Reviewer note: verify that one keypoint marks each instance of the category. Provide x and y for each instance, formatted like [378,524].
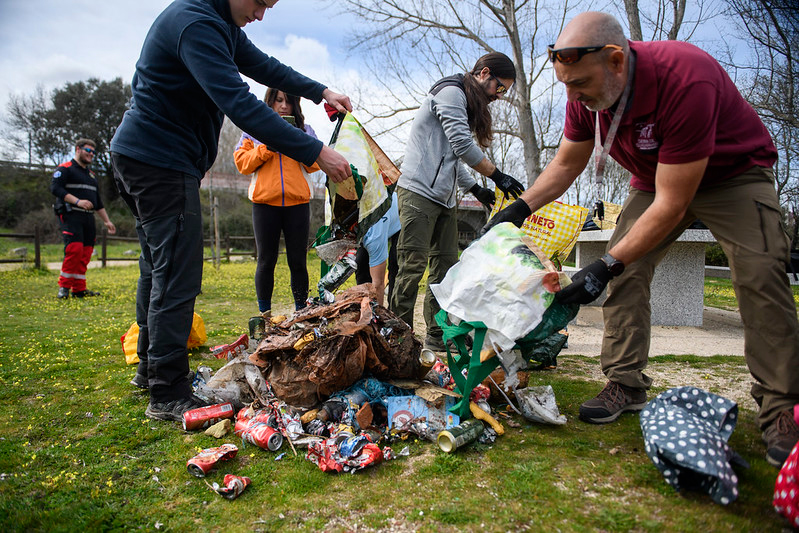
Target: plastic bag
[501,282]
[554,228]
[130,339]
[538,405]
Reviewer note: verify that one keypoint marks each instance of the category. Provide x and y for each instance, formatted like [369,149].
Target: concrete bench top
[689,235]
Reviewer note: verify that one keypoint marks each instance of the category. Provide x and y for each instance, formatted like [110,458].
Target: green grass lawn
[77,453]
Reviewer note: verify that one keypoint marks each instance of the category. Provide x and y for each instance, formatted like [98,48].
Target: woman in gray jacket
[452,127]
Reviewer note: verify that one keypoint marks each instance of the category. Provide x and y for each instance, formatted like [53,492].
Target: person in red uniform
[77,199]
[696,150]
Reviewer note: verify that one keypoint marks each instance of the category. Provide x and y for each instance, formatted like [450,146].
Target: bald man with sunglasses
[696,150]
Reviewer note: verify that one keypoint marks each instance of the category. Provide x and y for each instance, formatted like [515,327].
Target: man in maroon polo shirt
[696,150]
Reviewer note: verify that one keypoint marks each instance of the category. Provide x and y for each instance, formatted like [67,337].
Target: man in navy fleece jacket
[187,79]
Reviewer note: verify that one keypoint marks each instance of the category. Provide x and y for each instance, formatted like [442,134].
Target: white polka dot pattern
[686,430]
[786,489]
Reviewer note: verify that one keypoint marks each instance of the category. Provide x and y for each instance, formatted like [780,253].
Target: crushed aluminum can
[201,376]
[464,433]
[352,446]
[203,462]
[230,351]
[262,435]
[204,417]
[233,486]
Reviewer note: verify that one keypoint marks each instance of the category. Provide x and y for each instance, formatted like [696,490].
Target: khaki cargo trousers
[744,215]
[429,238]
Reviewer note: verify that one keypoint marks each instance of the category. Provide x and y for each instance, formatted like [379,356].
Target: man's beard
[607,98]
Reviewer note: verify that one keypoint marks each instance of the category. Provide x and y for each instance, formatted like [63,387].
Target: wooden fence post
[37,247]
[104,247]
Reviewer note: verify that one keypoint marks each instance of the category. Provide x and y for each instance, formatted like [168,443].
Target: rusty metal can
[263,436]
[233,486]
[204,417]
[460,435]
[203,462]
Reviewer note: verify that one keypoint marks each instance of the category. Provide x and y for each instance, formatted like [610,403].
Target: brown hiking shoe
[780,438]
[614,400]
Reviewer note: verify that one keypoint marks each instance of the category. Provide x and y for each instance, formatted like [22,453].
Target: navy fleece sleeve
[207,55]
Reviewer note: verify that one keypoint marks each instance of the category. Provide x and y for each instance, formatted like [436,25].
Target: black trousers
[166,204]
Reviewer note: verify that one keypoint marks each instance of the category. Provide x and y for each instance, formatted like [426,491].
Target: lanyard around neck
[601,150]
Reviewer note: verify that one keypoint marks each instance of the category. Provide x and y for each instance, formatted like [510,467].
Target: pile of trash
[343,381]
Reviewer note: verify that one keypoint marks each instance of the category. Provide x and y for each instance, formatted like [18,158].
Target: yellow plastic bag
[130,339]
[612,212]
[554,228]
[197,336]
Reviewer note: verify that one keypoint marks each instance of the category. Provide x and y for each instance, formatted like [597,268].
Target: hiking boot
[780,438]
[139,381]
[173,409]
[84,294]
[434,343]
[614,400]
[63,292]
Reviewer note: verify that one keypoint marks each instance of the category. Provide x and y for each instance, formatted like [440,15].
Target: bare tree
[411,44]
[228,140]
[24,121]
[770,81]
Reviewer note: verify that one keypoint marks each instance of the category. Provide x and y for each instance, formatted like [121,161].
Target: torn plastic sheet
[238,382]
[538,405]
[686,430]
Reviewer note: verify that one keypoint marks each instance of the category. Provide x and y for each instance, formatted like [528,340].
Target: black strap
[455,80]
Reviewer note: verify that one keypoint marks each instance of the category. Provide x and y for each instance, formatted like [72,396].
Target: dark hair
[80,143]
[296,110]
[477,101]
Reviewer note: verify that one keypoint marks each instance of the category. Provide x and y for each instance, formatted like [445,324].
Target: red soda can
[229,351]
[204,417]
[233,486]
[263,436]
[203,462]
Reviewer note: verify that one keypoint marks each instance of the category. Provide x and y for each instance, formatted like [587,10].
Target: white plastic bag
[538,405]
[502,282]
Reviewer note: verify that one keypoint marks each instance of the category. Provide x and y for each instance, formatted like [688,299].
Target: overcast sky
[51,42]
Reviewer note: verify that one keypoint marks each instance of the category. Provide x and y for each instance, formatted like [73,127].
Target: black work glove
[515,212]
[486,196]
[506,184]
[586,285]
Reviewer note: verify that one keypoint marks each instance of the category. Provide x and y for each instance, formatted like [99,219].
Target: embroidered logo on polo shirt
[646,141]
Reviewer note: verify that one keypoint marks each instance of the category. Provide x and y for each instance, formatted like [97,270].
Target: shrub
[714,256]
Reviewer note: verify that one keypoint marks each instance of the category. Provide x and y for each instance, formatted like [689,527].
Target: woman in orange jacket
[281,198]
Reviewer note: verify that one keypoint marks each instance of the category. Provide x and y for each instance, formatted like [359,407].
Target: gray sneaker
[174,409]
[780,438]
[614,400]
[63,292]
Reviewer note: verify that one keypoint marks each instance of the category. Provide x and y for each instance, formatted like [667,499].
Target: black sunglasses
[567,56]
[500,86]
